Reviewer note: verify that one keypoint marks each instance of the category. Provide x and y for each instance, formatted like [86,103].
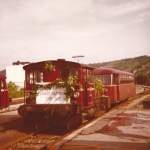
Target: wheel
[91,113]
[74,122]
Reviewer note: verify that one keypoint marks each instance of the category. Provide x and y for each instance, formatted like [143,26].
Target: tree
[14,91]
[142,78]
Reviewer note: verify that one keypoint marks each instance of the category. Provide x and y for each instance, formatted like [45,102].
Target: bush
[99,88]
[142,78]
[14,91]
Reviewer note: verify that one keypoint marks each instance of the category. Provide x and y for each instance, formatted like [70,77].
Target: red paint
[119,85]
[85,88]
[4,101]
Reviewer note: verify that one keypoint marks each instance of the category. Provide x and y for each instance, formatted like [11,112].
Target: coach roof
[107,70]
[56,62]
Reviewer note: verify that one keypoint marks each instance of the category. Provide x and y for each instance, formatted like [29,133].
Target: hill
[140,66]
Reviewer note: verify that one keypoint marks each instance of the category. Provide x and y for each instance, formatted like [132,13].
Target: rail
[41,139]
[34,142]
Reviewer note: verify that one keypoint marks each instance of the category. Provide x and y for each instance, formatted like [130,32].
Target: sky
[101,30]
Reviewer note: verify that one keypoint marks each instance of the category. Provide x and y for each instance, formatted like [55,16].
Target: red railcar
[4,101]
[60,91]
[119,85]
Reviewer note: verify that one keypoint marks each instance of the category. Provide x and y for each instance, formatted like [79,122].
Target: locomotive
[62,92]
[4,100]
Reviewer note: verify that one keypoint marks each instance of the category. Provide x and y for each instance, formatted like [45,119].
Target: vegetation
[140,66]
[14,91]
[99,87]
[70,84]
[49,66]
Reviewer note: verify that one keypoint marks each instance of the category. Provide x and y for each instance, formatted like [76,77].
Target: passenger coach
[4,101]
[119,85]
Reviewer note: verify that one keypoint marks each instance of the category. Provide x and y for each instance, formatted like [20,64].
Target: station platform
[126,129]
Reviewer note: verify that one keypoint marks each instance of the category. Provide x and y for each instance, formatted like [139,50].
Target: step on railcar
[58,91]
[119,85]
[4,101]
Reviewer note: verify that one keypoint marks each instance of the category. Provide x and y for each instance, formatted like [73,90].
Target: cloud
[130,7]
[45,28]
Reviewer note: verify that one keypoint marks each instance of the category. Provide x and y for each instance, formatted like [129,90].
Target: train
[61,92]
[4,100]
[119,85]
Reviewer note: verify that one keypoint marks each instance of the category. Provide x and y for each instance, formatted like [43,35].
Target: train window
[1,84]
[66,72]
[131,78]
[84,74]
[89,75]
[126,78]
[28,78]
[38,76]
[41,77]
[115,79]
[31,78]
[106,79]
[34,77]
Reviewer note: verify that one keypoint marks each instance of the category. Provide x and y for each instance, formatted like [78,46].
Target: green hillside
[140,66]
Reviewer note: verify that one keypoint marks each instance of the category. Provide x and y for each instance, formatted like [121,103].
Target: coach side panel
[4,101]
[112,92]
[126,90]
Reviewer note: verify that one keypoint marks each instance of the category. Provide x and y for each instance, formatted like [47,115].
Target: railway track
[12,106]
[40,140]
[34,142]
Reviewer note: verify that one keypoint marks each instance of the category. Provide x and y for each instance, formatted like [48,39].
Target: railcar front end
[58,91]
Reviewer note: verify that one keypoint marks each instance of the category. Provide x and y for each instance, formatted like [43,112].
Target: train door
[88,95]
[88,99]
[85,102]
[4,102]
[116,87]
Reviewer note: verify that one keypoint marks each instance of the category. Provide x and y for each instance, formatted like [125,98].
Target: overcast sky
[102,30]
